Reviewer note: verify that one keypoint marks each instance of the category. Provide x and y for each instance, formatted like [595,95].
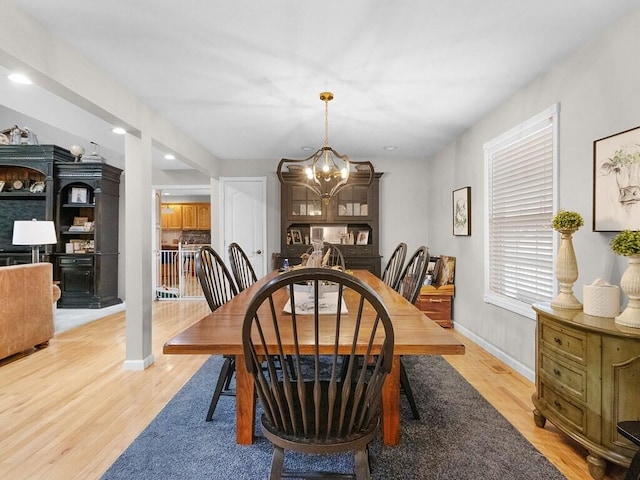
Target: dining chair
[241,268]
[315,411]
[335,257]
[630,429]
[394,266]
[218,288]
[409,284]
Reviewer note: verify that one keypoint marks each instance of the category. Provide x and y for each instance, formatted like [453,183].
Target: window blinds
[520,181]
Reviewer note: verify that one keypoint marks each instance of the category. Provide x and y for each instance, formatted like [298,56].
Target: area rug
[460,436]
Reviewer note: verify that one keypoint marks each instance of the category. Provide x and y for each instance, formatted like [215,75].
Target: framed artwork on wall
[616,182]
[462,211]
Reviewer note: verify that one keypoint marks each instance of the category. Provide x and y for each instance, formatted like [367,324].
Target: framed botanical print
[616,182]
[462,211]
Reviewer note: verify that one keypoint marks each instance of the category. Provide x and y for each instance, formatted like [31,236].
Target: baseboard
[499,354]
[139,364]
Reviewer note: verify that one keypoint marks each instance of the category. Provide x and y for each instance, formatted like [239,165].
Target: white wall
[597,88]
[403,200]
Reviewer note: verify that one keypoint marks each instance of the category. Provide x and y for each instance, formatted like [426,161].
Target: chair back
[241,268]
[394,266]
[335,257]
[216,281]
[412,276]
[315,404]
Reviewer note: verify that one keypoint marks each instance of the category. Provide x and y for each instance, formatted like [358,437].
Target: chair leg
[362,464]
[230,372]
[406,386]
[277,462]
[222,379]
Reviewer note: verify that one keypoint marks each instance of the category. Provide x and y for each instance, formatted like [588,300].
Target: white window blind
[520,181]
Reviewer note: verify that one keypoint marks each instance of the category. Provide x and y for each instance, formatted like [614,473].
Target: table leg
[245,403]
[391,405]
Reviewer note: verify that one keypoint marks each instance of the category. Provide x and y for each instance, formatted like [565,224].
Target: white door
[244,218]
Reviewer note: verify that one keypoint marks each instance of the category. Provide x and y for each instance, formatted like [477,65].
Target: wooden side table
[436,303]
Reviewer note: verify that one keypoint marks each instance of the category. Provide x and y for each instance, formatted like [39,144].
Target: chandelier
[326,172]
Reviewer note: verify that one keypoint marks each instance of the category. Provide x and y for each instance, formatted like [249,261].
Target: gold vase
[630,285]
[566,273]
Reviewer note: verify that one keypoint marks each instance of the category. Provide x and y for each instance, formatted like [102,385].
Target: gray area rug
[460,436]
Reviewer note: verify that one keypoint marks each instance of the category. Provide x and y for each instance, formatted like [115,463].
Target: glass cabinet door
[352,203]
[305,204]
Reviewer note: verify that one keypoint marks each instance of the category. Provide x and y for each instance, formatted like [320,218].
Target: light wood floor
[68,411]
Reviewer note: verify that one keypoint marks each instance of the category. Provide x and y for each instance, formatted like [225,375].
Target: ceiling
[243,77]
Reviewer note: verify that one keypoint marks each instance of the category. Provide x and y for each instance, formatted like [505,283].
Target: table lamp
[34,233]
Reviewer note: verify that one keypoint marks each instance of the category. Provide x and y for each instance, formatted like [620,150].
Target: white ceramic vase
[630,285]
[566,273]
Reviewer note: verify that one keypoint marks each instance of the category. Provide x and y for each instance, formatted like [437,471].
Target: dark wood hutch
[354,209]
[38,182]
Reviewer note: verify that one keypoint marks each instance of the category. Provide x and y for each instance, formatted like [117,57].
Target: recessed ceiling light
[306,149]
[389,147]
[119,130]
[169,156]
[166,193]
[20,78]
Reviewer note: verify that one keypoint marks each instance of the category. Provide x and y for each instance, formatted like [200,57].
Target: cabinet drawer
[70,261]
[565,341]
[436,307]
[570,379]
[568,412]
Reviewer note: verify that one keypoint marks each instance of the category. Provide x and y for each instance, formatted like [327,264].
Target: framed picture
[462,211]
[616,182]
[432,269]
[363,237]
[1,185]
[296,237]
[446,271]
[78,195]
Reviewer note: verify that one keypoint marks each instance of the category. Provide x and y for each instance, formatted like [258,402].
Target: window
[521,182]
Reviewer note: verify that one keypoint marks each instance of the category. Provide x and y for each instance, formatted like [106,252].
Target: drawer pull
[557,340]
[435,300]
[557,404]
[556,372]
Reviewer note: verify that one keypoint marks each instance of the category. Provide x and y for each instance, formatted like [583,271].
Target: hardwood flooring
[68,411]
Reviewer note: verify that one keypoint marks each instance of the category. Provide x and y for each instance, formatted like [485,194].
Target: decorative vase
[630,284]
[566,273]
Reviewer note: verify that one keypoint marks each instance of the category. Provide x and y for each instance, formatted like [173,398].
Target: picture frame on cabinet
[296,237]
[363,237]
[78,195]
[1,185]
[462,211]
[616,186]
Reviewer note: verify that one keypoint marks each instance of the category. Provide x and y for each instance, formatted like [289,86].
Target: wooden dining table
[220,333]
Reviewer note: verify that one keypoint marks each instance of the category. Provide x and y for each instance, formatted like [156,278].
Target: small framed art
[462,211]
[363,237]
[296,237]
[78,195]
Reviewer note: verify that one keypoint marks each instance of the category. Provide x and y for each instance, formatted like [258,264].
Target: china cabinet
[587,380]
[350,220]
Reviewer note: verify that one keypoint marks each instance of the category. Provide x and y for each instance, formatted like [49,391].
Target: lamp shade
[34,232]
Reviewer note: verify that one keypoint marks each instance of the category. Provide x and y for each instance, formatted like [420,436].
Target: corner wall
[597,88]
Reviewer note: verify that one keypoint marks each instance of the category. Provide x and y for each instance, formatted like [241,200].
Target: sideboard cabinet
[353,210]
[587,380]
[86,257]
